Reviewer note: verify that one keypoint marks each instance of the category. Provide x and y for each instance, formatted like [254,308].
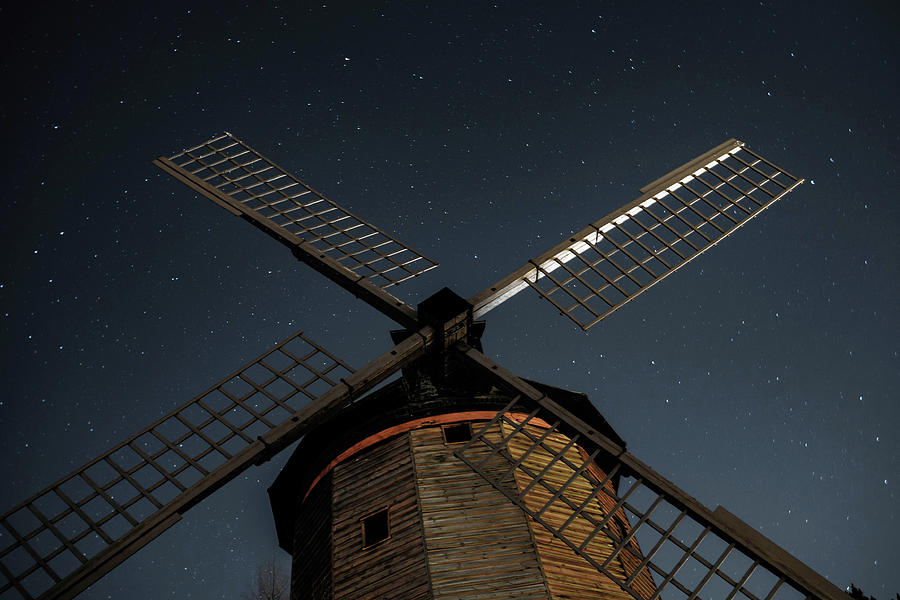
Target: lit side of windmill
[458,479]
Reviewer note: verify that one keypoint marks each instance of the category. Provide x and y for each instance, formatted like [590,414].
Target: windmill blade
[675,219]
[355,254]
[634,526]
[64,538]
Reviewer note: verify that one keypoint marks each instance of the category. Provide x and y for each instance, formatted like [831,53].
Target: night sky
[762,377]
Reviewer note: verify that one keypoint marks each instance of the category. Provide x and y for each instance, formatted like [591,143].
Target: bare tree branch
[272,583]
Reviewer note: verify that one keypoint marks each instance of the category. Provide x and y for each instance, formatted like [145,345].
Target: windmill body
[457,479]
[375,502]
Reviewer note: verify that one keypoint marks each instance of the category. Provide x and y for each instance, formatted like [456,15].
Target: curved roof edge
[388,407]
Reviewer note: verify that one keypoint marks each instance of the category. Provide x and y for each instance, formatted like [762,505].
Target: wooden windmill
[456,479]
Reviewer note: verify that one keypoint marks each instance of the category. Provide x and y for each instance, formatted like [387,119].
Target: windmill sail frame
[674,220]
[671,562]
[346,249]
[82,528]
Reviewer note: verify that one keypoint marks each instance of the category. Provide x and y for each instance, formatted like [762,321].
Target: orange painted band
[474,415]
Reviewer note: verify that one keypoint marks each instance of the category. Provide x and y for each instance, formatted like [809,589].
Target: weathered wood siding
[311,568]
[568,574]
[381,476]
[478,542]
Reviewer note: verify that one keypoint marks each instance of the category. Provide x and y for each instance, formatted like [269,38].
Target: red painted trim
[457,417]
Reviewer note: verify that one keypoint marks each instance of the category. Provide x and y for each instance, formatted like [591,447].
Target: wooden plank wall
[311,568]
[478,542]
[568,574]
[381,476]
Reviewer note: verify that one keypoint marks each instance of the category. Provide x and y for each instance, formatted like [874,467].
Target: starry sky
[762,377]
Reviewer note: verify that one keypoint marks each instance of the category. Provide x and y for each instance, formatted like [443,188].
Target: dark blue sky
[762,377]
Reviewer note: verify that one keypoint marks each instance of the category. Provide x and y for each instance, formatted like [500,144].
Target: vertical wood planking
[478,542]
[381,476]
[311,568]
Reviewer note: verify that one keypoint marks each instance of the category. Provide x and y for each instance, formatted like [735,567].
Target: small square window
[375,528]
[457,433]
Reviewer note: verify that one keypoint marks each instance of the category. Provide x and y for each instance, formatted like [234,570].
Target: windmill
[457,478]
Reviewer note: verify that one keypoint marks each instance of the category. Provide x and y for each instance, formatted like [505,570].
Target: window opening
[457,433]
[375,528]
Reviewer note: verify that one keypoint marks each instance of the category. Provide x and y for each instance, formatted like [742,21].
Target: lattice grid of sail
[57,531]
[233,168]
[635,534]
[620,256]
